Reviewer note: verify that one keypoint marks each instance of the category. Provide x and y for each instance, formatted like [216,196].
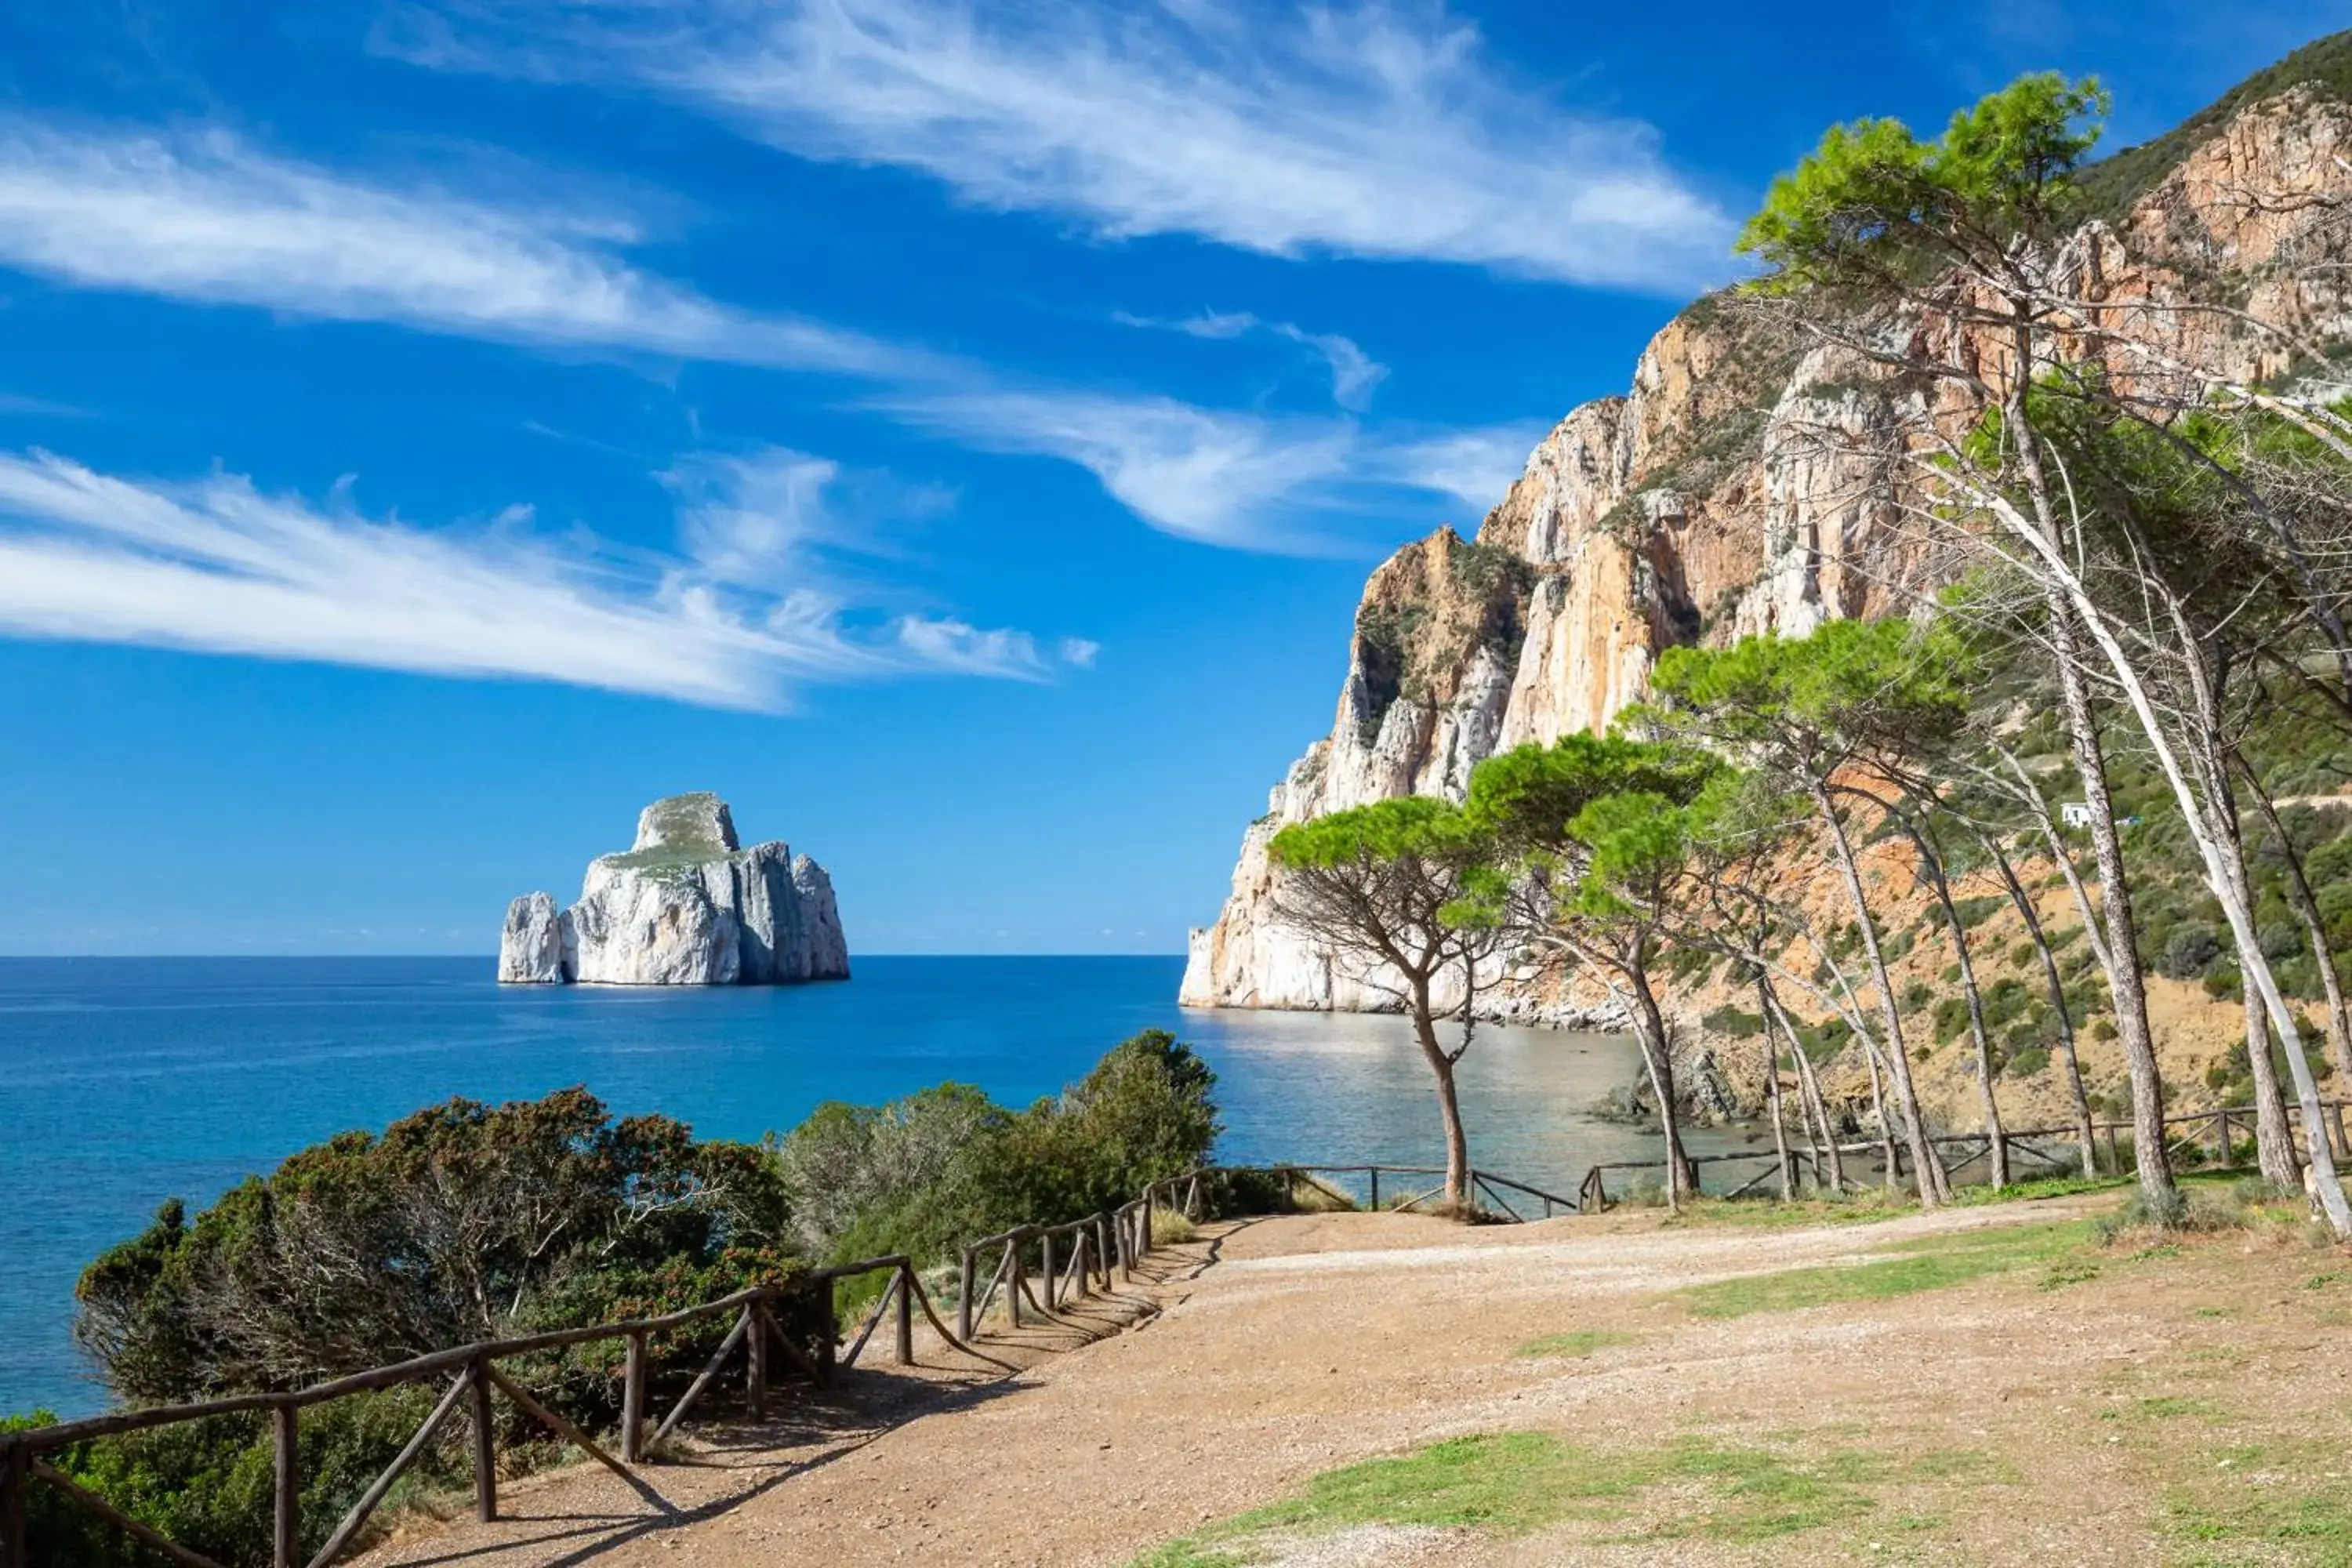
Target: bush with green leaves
[923,1174]
[466,1222]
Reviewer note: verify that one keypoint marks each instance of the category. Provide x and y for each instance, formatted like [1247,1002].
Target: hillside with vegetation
[1963,606]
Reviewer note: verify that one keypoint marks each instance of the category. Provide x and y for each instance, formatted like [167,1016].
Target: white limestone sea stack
[687,905]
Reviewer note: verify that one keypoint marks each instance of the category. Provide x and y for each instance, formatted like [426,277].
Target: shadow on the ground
[809,1428]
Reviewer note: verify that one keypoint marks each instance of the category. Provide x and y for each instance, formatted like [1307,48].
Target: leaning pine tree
[1406,895]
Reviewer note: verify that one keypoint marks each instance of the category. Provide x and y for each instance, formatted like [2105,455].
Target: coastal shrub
[2188,949]
[1733,1020]
[923,1174]
[461,1222]
[467,1221]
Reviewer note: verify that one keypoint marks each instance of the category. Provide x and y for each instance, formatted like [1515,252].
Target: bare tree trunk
[1810,1086]
[2273,1139]
[1932,863]
[2314,931]
[1886,1145]
[1933,1189]
[2125,985]
[1449,1106]
[2082,724]
[1772,1100]
[2274,1136]
[1682,1179]
[2196,811]
[2084,1135]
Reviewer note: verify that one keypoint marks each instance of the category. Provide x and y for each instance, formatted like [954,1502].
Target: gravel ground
[1267,1352]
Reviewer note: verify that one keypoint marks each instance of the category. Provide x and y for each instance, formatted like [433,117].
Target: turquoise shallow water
[125,1082]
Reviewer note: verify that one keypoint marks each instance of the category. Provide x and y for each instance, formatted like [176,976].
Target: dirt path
[1314,1342]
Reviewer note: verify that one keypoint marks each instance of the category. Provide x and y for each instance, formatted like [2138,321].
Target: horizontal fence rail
[1184,1194]
[756,1333]
[1038,1269]
[2218,1138]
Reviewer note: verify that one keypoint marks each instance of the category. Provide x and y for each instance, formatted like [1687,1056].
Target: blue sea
[126,1082]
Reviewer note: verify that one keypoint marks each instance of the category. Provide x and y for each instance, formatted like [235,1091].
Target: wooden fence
[1184,1192]
[757,1331]
[2207,1135]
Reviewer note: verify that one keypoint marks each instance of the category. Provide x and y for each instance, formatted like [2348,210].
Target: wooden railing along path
[1072,1260]
[757,1331]
[2221,1130]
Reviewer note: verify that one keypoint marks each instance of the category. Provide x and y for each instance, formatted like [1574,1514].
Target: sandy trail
[1272,1350]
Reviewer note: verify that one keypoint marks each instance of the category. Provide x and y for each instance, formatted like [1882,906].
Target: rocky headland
[1702,505]
[685,905]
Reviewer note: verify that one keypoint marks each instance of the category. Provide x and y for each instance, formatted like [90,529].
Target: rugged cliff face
[1706,503]
[687,905]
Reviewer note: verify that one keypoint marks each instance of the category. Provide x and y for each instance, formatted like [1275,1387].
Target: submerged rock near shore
[685,905]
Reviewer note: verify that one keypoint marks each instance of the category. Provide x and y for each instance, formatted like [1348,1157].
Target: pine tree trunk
[1996,1142]
[1449,1105]
[2274,1137]
[1933,1189]
[2124,978]
[2083,1134]
[1810,1086]
[1886,1145]
[1682,1179]
[2314,931]
[1772,1100]
[2125,988]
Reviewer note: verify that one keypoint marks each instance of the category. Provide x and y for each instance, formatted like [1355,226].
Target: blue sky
[956,435]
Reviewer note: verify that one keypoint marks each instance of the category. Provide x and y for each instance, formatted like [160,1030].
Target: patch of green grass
[1577,1343]
[2168,1406]
[1932,1263]
[2284,1503]
[2027,1191]
[1871,1204]
[1514,1482]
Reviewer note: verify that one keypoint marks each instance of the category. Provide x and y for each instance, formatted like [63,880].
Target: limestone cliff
[685,905]
[1706,504]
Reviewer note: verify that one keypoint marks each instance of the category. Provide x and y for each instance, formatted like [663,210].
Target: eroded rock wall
[685,905]
[1753,481]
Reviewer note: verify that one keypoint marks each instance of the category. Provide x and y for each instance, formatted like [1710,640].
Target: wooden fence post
[633,1401]
[1143,1224]
[2221,1140]
[285,1534]
[1013,1280]
[968,1278]
[1105,1256]
[2336,1116]
[1045,1268]
[2115,1158]
[906,1314]
[485,1441]
[15,1465]
[755,1373]
[1376,1189]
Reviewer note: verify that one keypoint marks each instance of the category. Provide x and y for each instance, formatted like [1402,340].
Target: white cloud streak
[1375,130]
[218,565]
[208,219]
[1247,481]
[1354,373]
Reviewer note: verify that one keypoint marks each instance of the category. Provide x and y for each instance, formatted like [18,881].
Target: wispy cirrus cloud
[1241,480]
[1354,373]
[1374,130]
[208,218]
[219,565]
